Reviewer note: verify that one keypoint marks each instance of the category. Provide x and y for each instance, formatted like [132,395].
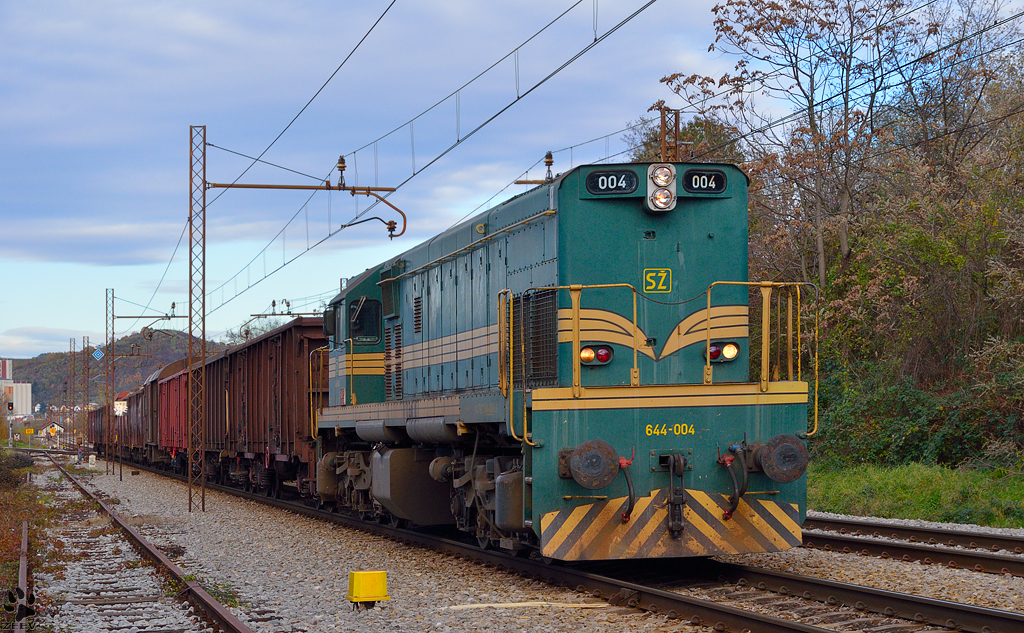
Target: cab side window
[364,321]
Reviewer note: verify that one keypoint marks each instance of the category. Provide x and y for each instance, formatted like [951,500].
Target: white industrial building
[20,393]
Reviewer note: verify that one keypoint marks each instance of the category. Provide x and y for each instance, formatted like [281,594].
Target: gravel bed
[965,527]
[292,571]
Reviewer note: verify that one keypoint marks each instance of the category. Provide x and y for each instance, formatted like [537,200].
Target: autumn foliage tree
[885,143]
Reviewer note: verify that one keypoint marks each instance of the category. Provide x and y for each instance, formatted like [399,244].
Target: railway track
[109,588]
[927,545]
[737,593]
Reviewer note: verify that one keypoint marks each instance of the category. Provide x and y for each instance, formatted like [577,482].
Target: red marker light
[604,354]
[714,352]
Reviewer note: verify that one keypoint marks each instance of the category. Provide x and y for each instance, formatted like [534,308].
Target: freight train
[583,371]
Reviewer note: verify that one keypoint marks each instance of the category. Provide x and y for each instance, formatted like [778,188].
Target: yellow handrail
[349,369]
[314,410]
[502,332]
[766,293]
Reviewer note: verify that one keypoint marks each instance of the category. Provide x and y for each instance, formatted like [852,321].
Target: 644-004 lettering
[670,429]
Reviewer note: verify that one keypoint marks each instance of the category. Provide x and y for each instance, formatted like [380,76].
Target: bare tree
[831,62]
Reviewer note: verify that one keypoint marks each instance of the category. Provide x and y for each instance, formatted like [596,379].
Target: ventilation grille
[393,363]
[397,363]
[387,293]
[389,349]
[417,315]
[536,341]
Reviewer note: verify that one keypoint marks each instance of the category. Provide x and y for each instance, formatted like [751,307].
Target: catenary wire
[258,158]
[446,151]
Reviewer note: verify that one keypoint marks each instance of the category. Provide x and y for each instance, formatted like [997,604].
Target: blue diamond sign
[98,354]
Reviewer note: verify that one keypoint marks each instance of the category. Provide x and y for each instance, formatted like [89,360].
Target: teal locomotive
[571,372]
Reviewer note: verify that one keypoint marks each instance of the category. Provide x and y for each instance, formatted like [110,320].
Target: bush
[873,413]
[9,462]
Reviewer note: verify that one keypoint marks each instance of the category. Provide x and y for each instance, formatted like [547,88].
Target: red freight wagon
[173,423]
[149,410]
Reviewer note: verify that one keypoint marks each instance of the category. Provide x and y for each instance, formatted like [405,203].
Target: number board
[612,182]
[704,181]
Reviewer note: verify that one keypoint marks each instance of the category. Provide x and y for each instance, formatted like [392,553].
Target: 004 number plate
[612,182]
[704,181]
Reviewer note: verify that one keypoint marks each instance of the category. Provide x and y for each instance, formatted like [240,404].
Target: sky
[97,99]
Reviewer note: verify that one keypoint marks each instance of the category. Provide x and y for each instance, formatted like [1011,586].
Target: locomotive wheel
[483,542]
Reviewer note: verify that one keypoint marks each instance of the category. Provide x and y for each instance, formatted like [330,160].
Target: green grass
[918,491]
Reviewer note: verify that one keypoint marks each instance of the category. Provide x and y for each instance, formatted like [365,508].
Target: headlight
[662,176]
[719,352]
[662,198]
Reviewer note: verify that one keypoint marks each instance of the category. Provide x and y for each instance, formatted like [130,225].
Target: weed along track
[100,574]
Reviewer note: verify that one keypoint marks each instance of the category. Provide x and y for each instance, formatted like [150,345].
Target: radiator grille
[536,342]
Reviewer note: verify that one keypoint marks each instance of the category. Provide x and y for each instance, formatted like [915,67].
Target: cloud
[27,342]
[96,101]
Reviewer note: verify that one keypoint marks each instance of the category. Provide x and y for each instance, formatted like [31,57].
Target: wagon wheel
[396,522]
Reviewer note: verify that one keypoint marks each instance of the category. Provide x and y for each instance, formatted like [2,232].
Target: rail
[928,554]
[610,581]
[209,608]
[935,536]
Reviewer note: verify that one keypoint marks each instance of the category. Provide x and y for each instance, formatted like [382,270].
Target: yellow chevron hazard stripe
[595,531]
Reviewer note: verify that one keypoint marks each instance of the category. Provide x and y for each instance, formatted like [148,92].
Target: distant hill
[47,372]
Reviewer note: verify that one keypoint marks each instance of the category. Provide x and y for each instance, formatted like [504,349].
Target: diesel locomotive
[583,370]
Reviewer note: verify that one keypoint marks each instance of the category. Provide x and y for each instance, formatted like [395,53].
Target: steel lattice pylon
[85,390]
[72,388]
[669,135]
[108,433]
[197,318]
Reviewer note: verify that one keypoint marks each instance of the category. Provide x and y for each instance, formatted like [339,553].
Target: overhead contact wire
[553,73]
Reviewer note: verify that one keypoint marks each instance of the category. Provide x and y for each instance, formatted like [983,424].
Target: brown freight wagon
[259,429]
[130,425]
[95,420]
